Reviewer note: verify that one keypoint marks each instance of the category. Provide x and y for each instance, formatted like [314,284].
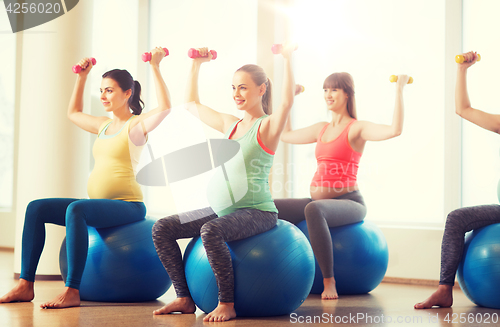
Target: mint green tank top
[243,181]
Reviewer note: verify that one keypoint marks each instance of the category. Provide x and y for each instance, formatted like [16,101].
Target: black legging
[320,216]
[458,223]
[214,233]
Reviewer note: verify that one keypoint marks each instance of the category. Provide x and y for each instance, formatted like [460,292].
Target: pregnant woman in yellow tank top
[115,196]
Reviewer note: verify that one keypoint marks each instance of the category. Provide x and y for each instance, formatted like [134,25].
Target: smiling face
[336,99]
[246,94]
[339,93]
[112,96]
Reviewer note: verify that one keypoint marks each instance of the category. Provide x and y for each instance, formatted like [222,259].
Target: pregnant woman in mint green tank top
[252,210]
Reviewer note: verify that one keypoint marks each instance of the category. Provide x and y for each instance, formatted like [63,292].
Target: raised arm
[216,120]
[369,131]
[75,108]
[304,135]
[463,107]
[147,122]
[277,120]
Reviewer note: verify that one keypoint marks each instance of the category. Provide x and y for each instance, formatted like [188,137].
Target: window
[115,36]
[402,178]
[178,26]
[480,153]
[114,43]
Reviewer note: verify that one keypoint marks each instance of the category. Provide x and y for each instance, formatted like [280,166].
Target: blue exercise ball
[479,271]
[273,272]
[360,257]
[122,265]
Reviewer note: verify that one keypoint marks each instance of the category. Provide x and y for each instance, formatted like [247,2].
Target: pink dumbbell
[146,56]
[193,54]
[78,68]
[277,48]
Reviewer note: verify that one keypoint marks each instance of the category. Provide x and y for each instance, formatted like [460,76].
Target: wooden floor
[386,305]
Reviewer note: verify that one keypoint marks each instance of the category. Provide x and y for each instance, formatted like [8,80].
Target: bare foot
[180,304]
[22,292]
[330,290]
[69,298]
[443,297]
[223,312]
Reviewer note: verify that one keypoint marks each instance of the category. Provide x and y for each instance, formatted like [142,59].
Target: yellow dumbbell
[394,79]
[460,58]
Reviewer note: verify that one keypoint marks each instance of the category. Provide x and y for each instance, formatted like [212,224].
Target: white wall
[52,152]
[9,84]
[413,253]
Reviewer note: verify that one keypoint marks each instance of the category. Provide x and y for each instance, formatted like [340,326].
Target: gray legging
[214,233]
[320,215]
[458,223]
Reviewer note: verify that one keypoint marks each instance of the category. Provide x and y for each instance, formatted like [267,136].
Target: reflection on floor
[388,304]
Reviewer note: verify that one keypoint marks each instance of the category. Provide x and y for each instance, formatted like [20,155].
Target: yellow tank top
[116,158]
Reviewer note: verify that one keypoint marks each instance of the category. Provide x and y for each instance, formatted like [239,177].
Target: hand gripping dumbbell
[460,58]
[299,89]
[146,56]
[277,48]
[394,79]
[193,54]
[78,68]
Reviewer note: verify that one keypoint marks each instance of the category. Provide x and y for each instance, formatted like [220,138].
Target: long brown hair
[344,82]
[259,77]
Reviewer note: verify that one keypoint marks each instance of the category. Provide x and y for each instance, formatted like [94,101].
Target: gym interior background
[439,163]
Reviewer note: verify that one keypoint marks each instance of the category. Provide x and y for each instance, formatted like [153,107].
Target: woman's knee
[76,211]
[334,212]
[210,230]
[456,219]
[34,207]
[313,212]
[165,228]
